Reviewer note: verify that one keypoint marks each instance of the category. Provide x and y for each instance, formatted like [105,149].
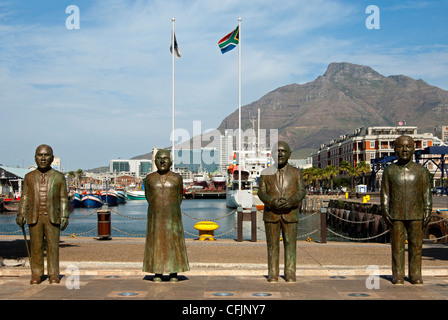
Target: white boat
[121,196]
[251,161]
[219,181]
[237,195]
[135,195]
[201,179]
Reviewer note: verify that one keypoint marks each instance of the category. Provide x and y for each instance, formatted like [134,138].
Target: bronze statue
[44,206]
[165,249]
[281,190]
[406,204]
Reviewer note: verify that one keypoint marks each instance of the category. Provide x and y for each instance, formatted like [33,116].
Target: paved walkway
[220,270]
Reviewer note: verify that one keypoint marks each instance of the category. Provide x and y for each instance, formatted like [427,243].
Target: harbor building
[374,143]
[226,150]
[137,168]
[11,180]
[366,144]
[56,164]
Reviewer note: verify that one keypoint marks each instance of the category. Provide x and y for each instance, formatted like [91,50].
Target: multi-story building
[137,168]
[226,151]
[373,143]
[366,144]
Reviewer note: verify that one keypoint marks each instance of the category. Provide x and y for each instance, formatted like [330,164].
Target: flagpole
[239,109]
[172,95]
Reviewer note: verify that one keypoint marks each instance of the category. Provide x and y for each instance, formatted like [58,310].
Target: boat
[121,196]
[109,197]
[251,159]
[237,196]
[77,200]
[135,195]
[200,179]
[253,163]
[219,181]
[9,205]
[91,201]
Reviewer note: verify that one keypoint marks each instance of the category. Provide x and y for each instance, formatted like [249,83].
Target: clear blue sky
[104,91]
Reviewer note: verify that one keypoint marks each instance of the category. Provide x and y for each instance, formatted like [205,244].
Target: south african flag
[229,41]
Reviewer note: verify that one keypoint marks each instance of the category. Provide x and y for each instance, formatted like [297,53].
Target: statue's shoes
[54,279]
[173,277]
[157,278]
[417,281]
[36,279]
[398,281]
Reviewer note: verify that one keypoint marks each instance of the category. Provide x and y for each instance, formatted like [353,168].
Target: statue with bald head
[406,204]
[165,249]
[281,190]
[44,206]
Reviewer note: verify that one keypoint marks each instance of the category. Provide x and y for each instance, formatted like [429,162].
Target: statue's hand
[289,203]
[64,223]
[20,221]
[387,219]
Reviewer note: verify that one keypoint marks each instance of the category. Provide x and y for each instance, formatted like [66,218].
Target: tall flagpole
[172,96]
[239,109]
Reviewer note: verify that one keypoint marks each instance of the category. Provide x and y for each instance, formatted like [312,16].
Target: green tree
[345,167]
[331,172]
[362,168]
[71,174]
[307,175]
[79,174]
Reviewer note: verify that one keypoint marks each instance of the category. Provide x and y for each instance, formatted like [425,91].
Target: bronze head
[44,157]
[404,148]
[163,161]
[281,153]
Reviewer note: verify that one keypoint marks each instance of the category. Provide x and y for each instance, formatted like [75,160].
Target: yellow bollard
[206,230]
[346,195]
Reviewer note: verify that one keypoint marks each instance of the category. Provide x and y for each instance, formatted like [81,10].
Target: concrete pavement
[220,270]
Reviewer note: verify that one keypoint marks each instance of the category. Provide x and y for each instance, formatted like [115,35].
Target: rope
[440,220]
[358,239]
[332,214]
[128,217]
[215,219]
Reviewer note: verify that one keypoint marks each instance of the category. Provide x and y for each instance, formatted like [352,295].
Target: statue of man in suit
[44,206]
[406,204]
[281,190]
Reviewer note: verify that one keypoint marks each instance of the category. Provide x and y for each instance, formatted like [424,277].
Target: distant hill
[346,97]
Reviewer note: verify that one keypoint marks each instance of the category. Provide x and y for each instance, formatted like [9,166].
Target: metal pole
[239,111]
[172,97]
[323,225]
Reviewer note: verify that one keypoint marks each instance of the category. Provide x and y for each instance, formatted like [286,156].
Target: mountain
[346,97]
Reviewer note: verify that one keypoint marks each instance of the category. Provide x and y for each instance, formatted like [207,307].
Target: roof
[19,172]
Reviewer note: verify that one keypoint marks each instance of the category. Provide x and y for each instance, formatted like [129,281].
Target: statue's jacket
[406,192]
[270,189]
[57,199]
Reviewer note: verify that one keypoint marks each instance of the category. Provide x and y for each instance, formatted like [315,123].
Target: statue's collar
[406,165]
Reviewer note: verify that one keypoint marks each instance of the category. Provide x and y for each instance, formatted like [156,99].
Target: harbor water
[129,220]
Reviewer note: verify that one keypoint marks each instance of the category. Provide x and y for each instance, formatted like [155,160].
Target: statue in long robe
[165,249]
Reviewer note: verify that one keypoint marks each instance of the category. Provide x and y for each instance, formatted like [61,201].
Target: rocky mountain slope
[346,97]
